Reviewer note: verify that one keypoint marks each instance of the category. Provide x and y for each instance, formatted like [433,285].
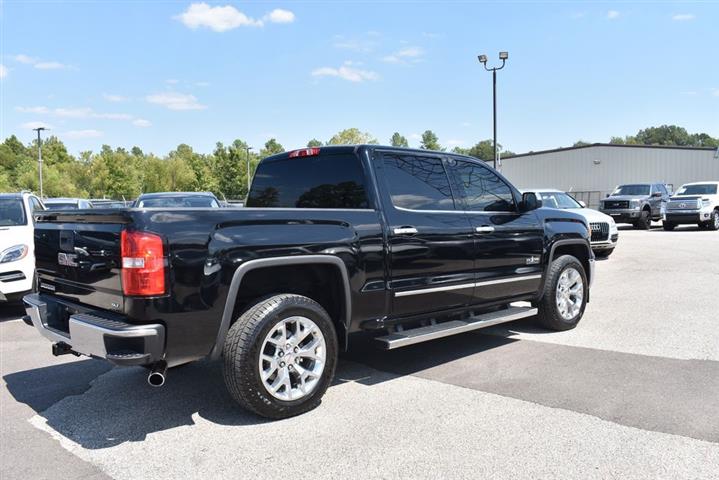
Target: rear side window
[321,181]
[483,189]
[417,183]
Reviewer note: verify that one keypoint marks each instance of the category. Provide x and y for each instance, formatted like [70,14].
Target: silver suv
[636,203]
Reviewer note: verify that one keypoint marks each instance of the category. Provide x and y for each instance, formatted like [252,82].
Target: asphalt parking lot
[633,392]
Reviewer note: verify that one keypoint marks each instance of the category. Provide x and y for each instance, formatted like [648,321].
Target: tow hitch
[62,348]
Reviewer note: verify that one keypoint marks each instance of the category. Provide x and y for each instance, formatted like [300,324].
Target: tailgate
[78,257]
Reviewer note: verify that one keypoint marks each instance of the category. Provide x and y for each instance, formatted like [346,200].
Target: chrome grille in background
[611,204]
[600,231]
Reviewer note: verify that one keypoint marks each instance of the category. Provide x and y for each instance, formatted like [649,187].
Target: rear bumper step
[453,327]
[96,336]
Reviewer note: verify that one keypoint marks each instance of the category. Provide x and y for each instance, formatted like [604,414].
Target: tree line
[120,173]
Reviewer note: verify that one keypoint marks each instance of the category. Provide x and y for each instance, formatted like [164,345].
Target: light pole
[503,56]
[248,148]
[39,155]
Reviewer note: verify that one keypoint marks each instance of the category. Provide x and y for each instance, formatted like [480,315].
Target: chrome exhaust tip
[156,377]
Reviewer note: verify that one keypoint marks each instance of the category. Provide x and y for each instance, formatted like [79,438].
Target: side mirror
[657,194]
[530,202]
[584,205]
[606,196]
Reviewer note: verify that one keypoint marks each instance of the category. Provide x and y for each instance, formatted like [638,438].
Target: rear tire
[279,357]
[560,307]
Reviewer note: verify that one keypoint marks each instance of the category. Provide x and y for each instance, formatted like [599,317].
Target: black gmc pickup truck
[410,244]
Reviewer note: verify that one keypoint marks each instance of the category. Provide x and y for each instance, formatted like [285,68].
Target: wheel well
[647,208]
[576,250]
[323,283]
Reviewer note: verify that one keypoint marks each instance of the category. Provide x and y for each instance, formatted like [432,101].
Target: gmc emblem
[67,259]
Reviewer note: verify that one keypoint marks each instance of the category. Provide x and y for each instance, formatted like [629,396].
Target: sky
[159,73]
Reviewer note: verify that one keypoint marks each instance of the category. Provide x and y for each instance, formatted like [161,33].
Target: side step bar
[453,327]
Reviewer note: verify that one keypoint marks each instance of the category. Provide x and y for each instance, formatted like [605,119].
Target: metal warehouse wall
[600,168]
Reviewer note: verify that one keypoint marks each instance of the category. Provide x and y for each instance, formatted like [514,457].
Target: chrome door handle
[405,231]
[484,229]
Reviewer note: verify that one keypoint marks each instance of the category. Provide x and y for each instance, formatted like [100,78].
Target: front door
[431,245]
[508,243]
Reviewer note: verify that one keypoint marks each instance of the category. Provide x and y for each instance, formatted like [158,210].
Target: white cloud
[84,112]
[219,19]
[202,84]
[39,109]
[113,98]
[280,16]
[415,136]
[141,122]
[612,14]
[365,44]
[346,72]
[466,124]
[37,63]
[49,65]
[683,17]
[80,134]
[172,81]
[175,101]
[112,116]
[31,125]
[404,55]
[3,71]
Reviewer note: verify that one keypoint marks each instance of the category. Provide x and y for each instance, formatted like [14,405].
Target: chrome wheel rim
[292,358]
[570,293]
[716,220]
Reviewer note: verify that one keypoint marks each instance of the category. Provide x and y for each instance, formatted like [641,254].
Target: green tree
[581,143]
[704,140]
[272,147]
[483,150]
[398,140]
[430,141]
[230,169]
[314,143]
[351,136]
[664,135]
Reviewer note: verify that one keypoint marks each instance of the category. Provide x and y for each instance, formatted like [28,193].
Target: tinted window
[417,183]
[12,212]
[558,200]
[61,206]
[632,190]
[483,189]
[707,189]
[320,181]
[191,201]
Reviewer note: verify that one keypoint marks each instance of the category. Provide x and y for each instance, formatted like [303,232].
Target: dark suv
[636,203]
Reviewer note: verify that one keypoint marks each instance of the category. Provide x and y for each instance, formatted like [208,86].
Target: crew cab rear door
[430,241]
[508,244]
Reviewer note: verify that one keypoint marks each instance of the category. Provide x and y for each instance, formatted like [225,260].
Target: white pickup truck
[694,203]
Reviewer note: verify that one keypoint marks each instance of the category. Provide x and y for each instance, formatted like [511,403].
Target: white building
[592,171]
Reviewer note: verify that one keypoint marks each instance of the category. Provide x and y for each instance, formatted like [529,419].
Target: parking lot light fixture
[503,56]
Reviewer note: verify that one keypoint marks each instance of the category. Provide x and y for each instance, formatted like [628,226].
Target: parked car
[17,250]
[636,203]
[67,203]
[411,245]
[177,200]
[605,234]
[105,203]
[696,203]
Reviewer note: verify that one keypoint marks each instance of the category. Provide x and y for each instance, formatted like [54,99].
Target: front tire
[645,221]
[279,357]
[713,223]
[565,294]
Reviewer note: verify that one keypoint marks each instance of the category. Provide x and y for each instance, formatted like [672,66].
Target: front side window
[318,181]
[12,212]
[483,189]
[417,183]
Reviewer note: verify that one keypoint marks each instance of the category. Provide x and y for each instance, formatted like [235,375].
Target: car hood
[591,215]
[16,235]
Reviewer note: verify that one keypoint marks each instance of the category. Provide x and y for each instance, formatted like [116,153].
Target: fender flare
[250,265]
[571,241]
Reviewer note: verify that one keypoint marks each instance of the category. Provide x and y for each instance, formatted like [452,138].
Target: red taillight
[305,152]
[143,264]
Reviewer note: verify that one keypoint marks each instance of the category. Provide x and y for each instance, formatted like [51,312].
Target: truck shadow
[97,406]
[11,311]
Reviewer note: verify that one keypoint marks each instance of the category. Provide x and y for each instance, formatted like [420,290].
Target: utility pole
[248,148]
[39,155]
[503,56]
